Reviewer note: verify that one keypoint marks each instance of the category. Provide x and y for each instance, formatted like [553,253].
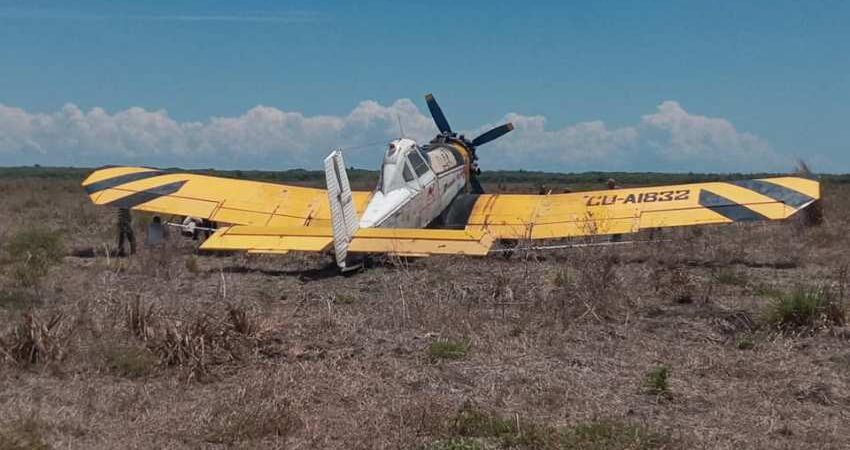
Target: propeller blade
[437,114]
[495,133]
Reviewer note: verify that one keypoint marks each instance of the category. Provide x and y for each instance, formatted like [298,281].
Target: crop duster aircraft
[429,201]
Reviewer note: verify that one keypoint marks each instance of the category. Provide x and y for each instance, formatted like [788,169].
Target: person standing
[125,232]
[612,184]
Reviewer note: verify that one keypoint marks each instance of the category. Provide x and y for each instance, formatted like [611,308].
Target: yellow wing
[273,218]
[621,211]
[218,199]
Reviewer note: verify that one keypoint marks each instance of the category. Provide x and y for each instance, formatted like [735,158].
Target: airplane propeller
[446,132]
[493,134]
[437,114]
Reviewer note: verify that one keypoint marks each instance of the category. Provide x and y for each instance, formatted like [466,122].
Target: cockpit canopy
[403,165]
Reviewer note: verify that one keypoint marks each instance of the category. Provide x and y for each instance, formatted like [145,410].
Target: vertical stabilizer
[343,216]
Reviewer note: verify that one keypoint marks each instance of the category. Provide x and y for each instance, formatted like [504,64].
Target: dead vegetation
[252,414]
[195,344]
[736,334]
[35,340]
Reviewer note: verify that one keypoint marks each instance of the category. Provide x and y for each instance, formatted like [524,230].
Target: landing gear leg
[353,264]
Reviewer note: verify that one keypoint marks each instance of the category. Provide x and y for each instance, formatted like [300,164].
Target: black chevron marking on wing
[147,195]
[777,192]
[728,208]
[121,179]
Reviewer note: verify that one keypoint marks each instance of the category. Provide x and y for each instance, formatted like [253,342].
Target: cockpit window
[418,163]
[407,174]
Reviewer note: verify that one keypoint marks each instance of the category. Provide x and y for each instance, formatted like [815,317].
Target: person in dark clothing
[612,184]
[125,232]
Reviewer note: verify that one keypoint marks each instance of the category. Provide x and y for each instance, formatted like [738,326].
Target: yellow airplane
[429,201]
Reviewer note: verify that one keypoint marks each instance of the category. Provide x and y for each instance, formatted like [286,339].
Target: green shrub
[766,290]
[728,275]
[472,422]
[656,381]
[34,251]
[192,264]
[806,306]
[603,435]
[563,278]
[17,300]
[129,361]
[23,434]
[474,429]
[744,343]
[447,349]
[344,299]
[457,443]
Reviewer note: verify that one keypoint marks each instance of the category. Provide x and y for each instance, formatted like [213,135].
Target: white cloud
[586,145]
[686,137]
[266,137]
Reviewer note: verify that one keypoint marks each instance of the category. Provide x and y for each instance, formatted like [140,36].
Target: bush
[656,382]
[34,251]
[17,300]
[447,349]
[130,361]
[606,435]
[241,321]
[563,278]
[23,434]
[457,443]
[745,343]
[192,264]
[728,275]
[515,433]
[472,422]
[344,299]
[806,307]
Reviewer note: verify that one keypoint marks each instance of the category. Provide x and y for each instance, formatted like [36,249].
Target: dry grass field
[721,337]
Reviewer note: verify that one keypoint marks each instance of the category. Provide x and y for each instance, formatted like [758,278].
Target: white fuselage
[415,186]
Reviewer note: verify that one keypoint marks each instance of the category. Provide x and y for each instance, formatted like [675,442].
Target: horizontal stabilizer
[419,242]
[255,239]
[396,241]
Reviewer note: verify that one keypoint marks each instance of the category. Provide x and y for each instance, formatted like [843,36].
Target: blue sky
[619,85]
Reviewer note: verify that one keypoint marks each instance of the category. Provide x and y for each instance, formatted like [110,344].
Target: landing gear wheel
[506,247]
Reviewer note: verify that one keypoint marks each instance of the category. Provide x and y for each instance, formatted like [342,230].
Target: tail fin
[343,216]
